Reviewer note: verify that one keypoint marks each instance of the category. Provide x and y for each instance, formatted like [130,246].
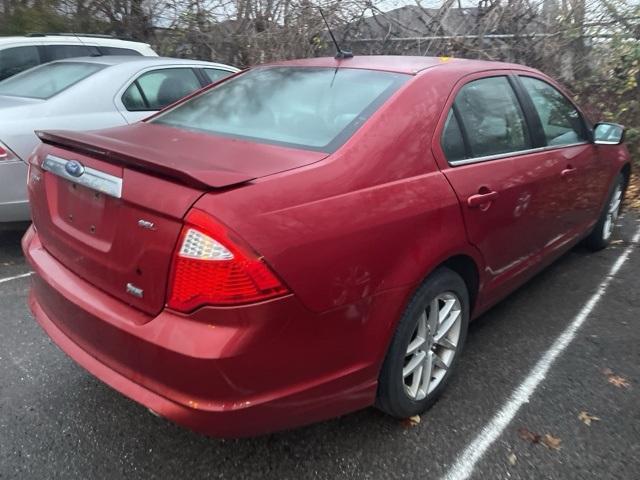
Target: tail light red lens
[212,266]
[6,154]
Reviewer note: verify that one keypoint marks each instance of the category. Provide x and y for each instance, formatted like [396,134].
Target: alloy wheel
[433,345]
[613,210]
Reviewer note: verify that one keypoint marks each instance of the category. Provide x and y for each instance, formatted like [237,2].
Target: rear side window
[15,60]
[452,140]
[491,118]
[214,74]
[306,107]
[156,89]
[48,80]
[60,52]
[118,51]
[561,122]
[132,98]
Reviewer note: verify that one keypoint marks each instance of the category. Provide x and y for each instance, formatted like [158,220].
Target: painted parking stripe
[8,279]
[463,467]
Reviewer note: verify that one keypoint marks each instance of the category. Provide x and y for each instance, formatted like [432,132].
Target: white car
[86,93]
[23,52]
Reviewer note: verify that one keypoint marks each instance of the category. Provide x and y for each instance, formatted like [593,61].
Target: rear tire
[601,235]
[426,346]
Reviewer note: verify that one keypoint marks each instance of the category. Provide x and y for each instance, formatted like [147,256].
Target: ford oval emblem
[73,168]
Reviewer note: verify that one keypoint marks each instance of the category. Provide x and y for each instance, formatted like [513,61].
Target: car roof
[138,61]
[45,39]
[398,63]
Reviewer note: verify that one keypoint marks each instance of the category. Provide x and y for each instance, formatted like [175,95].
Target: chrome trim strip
[91,178]
[468,161]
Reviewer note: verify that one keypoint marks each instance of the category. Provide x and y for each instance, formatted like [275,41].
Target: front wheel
[425,348]
[601,235]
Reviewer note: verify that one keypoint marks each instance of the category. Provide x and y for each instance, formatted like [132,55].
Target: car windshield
[311,108]
[47,80]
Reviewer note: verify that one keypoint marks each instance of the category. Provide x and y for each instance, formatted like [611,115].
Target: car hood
[200,160]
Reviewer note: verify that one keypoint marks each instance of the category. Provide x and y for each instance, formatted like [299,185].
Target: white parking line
[463,467]
[8,279]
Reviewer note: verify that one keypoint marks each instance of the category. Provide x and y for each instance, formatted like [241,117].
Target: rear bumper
[231,372]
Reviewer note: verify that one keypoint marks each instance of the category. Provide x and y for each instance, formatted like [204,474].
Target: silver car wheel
[433,346]
[613,210]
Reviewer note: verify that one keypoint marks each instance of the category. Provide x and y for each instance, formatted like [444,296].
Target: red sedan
[308,238]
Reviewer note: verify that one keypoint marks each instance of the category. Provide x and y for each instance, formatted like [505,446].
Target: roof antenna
[93,53]
[340,54]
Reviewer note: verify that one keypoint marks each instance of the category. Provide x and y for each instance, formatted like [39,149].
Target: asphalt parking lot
[57,421]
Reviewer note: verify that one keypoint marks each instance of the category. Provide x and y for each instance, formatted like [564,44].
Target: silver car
[85,93]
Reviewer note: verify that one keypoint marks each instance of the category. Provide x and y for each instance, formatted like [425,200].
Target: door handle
[479,199]
[567,172]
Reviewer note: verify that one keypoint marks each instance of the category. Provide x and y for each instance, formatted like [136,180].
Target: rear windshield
[47,80]
[311,108]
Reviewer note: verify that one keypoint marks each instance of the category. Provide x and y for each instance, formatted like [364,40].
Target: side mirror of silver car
[608,134]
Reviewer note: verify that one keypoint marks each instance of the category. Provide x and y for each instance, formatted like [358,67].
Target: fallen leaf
[411,421]
[512,458]
[551,442]
[529,436]
[614,379]
[586,418]
[618,381]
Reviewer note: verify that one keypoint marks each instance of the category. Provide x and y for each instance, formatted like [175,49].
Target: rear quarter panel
[375,215]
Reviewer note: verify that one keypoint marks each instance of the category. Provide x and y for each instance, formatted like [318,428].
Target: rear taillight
[213,267]
[6,153]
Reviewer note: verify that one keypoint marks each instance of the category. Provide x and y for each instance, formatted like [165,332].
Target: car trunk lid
[191,158]
[116,224]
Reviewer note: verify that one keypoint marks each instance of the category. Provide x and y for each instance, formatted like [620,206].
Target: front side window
[561,122]
[156,89]
[47,80]
[306,107]
[491,118]
[15,60]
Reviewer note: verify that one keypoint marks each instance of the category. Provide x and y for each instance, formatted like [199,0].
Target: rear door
[487,149]
[567,144]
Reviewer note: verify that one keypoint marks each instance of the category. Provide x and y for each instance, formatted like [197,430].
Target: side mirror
[608,134]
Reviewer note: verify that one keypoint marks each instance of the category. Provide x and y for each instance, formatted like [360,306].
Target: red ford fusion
[309,238]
